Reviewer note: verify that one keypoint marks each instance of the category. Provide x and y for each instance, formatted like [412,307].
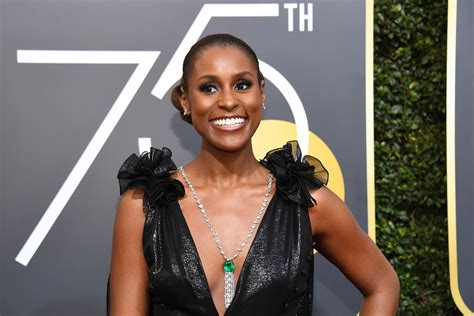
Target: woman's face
[225,97]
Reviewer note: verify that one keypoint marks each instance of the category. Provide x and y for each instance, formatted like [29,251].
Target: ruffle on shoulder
[295,175]
[151,172]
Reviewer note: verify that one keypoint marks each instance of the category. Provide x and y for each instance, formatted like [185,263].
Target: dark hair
[196,51]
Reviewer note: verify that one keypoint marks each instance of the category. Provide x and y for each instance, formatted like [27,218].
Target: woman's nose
[228,99]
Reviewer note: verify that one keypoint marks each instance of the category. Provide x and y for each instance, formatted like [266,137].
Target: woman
[226,234]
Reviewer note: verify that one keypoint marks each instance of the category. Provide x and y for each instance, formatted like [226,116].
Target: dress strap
[295,175]
[151,173]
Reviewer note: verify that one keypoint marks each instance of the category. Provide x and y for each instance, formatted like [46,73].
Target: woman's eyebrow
[214,77]
[207,77]
[243,73]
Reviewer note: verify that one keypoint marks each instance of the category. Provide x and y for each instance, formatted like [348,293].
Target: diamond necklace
[228,266]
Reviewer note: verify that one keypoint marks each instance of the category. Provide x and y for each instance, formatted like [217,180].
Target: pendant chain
[211,226]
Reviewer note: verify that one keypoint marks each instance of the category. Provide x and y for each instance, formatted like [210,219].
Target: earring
[186,112]
[263,106]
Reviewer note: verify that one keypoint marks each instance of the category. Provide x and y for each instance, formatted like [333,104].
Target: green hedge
[410,150]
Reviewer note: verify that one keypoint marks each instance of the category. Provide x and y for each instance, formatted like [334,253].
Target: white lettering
[306,16]
[291,18]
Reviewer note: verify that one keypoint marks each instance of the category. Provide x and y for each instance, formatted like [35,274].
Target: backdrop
[85,83]
[460,151]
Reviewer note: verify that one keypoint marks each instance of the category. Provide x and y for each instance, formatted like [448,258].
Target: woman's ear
[183,100]
[262,90]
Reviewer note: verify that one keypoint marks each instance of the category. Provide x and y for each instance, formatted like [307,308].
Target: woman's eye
[208,88]
[243,85]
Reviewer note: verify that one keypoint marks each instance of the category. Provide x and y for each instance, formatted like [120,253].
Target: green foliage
[410,151]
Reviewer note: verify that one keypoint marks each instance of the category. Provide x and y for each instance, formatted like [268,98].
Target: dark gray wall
[465,149]
[50,112]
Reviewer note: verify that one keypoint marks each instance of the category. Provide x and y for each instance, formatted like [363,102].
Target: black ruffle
[151,172]
[295,175]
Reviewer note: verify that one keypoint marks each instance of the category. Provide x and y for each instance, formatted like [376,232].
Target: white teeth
[229,122]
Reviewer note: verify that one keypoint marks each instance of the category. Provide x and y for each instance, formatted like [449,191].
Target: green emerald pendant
[229,266]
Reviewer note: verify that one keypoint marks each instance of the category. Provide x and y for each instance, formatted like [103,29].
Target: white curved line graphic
[294,101]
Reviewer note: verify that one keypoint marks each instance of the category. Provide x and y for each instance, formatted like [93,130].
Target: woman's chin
[226,139]
[230,144]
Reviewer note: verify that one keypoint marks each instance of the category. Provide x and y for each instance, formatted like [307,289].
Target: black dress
[277,274]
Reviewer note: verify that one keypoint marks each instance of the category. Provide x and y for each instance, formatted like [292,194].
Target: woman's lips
[229,123]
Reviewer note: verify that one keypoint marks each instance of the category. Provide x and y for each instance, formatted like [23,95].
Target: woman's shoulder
[297,175]
[131,201]
[150,172]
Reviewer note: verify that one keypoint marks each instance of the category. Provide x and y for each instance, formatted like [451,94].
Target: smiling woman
[224,97]
[237,240]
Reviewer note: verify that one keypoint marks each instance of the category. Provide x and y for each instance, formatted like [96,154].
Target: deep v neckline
[244,264]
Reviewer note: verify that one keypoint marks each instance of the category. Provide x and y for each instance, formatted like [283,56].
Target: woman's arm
[342,241]
[128,270]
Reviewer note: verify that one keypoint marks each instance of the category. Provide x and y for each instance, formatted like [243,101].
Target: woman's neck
[216,167]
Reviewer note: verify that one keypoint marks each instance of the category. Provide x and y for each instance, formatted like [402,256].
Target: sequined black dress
[277,275]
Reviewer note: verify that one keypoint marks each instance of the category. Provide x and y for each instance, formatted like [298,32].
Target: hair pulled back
[196,51]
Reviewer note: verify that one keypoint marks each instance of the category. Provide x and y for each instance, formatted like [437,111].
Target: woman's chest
[185,257]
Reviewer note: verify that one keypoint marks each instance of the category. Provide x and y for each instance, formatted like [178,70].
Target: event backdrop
[460,151]
[86,83]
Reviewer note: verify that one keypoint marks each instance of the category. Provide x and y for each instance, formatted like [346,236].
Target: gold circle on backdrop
[273,134]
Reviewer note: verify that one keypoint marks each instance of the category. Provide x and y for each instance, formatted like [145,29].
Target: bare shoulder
[130,218]
[130,206]
[328,209]
[324,195]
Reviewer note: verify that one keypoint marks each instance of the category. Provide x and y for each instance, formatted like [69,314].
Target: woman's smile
[229,124]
